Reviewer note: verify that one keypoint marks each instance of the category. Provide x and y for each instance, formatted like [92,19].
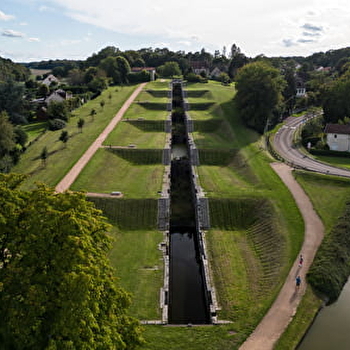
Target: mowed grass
[341,162]
[33,130]
[61,158]
[139,266]
[137,111]
[126,134]
[108,172]
[327,193]
[220,337]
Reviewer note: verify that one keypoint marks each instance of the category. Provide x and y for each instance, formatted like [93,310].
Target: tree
[80,124]
[58,110]
[169,69]
[123,68]
[57,286]
[64,137]
[93,113]
[259,93]
[43,155]
[102,103]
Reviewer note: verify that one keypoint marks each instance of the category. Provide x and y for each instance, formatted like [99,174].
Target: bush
[57,124]
[331,267]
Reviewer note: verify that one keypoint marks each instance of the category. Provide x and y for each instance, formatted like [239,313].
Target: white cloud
[33,39]
[255,26]
[12,33]
[5,17]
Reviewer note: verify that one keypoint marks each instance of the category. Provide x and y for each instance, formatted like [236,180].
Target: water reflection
[331,328]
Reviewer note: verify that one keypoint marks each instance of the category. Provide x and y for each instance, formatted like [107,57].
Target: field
[62,157]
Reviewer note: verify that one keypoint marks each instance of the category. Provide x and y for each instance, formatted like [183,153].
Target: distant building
[215,73]
[338,137]
[58,96]
[49,80]
[200,66]
[300,88]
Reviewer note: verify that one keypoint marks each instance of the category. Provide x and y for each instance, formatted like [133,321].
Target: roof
[199,64]
[337,129]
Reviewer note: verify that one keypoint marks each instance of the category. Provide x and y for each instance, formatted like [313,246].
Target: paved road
[283,145]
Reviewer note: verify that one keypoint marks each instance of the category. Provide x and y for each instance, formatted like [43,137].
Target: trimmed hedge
[331,267]
[325,152]
[210,125]
[217,156]
[148,125]
[129,214]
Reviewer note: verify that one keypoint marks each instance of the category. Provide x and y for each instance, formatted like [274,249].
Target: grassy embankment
[328,195]
[137,172]
[61,158]
[256,227]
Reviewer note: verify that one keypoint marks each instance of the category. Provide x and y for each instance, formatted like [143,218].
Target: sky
[35,30]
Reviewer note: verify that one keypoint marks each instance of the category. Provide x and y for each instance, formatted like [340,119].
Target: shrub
[57,124]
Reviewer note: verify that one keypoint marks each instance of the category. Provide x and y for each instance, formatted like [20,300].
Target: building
[49,80]
[58,96]
[338,137]
[200,66]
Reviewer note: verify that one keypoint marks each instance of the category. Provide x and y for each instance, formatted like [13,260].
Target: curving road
[283,145]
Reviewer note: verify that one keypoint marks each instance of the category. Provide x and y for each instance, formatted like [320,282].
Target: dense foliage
[259,93]
[331,267]
[12,71]
[57,289]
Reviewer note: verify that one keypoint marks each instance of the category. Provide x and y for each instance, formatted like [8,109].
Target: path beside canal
[283,309]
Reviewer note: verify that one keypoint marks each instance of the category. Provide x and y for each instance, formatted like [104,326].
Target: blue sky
[32,30]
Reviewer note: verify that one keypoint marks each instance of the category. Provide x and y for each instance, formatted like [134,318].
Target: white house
[338,137]
[50,79]
[199,66]
[215,73]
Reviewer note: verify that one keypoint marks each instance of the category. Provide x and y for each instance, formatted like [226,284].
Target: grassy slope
[329,206]
[61,158]
[231,249]
[139,266]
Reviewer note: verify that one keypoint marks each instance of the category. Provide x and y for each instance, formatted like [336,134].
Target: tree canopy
[259,93]
[57,289]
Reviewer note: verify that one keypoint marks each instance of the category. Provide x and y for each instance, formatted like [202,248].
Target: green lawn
[341,162]
[108,172]
[62,158]
[137,111]
[126,134]
[34,130]
[140,268]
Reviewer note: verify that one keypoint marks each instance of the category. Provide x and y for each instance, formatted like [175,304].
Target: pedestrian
[298,282]
[301,260]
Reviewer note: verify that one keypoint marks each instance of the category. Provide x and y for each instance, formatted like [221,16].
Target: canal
[188,302]
[331,327]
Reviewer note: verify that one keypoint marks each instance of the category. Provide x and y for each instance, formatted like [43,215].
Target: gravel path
[67,181]
[283,309]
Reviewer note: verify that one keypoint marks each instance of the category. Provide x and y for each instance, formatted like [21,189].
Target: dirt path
[70,177]
[283,309]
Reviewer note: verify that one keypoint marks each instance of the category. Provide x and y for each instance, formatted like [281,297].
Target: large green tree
[57,289]
[259,94]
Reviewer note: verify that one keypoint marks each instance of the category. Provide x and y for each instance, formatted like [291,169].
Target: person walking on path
[298,282]
[301,260]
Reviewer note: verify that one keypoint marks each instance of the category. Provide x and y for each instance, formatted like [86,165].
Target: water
[186,298]
[187,291]
[331,329]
